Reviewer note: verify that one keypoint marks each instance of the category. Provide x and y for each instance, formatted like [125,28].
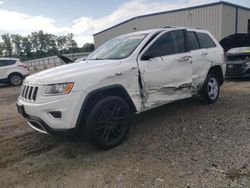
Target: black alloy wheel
[108,122]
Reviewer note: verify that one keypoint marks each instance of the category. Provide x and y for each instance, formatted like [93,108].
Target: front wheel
[108,122]
[211,89]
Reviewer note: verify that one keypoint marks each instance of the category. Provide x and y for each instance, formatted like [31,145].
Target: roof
[8,58]
[177,10]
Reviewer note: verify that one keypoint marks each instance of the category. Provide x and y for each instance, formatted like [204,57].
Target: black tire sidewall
[205,89]
[91,133]
[11,83]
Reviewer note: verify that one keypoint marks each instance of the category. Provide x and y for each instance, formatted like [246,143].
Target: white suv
[127,75]
[12,71]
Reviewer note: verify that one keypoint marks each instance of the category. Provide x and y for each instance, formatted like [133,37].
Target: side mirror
[146,57]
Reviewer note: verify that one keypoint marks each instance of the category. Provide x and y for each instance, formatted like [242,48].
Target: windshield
[118,48]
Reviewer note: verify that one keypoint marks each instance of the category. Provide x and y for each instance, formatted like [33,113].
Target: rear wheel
[108,122]
[15,79]
[211,89]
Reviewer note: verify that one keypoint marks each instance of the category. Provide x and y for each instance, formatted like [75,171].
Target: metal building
[220,18]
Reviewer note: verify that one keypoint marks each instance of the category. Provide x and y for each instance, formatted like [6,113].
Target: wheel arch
[217,71]
[95,95]
[15,73]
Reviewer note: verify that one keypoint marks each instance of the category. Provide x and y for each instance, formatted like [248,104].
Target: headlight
[248,64]
[59,89]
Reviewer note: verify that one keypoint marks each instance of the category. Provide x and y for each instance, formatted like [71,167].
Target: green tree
[7,45]
[1,49]
[34,41]
[71,43]
[17,41]
[88,47]
[61,42]
[27,47]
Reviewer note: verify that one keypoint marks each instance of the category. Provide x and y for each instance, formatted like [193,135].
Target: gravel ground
[182,144]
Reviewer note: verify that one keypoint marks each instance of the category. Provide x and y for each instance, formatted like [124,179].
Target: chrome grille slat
[26,92]
[23,91]
[35,93]
[29,93]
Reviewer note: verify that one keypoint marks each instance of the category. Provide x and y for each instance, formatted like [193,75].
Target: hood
[235,41]
[65,73]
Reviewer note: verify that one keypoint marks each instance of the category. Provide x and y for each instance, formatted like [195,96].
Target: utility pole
[186,19]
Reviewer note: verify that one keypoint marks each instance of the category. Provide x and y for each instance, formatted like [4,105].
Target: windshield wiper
[97,59]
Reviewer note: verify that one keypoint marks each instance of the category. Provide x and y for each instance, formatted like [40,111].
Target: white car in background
[127,75]
[12,71]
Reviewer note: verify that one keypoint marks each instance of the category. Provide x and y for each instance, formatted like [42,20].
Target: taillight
[23,66]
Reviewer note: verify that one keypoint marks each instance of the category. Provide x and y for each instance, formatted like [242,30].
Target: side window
[170,43]
[152,38]
[205,40]
[2,63]
[7,62]
[193,42]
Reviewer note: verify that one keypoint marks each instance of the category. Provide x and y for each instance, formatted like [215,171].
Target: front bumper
[39,114]
[245,72]
[39,125]
[237,68]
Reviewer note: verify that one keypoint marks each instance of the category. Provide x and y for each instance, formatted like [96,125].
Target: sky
[81,17]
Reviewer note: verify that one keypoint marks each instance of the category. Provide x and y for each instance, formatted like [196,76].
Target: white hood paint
[66,72]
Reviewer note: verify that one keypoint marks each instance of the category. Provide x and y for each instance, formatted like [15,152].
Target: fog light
[56,114]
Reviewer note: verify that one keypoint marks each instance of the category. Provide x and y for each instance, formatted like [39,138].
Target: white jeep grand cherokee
[128,74]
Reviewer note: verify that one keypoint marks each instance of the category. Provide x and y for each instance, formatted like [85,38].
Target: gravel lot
[182,144]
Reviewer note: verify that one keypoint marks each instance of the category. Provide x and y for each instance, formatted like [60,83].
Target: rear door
[165,68]
[2,69]
[6,67]
[204,53]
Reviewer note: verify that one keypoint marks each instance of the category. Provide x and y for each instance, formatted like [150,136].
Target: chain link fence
[37,65]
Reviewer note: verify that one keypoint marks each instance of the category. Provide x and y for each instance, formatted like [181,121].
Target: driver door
[165,69]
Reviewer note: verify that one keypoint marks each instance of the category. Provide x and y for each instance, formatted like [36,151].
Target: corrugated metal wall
[228,20]
[219,19]
[243,17]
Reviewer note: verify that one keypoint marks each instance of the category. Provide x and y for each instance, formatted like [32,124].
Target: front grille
[29,92]
[234,68]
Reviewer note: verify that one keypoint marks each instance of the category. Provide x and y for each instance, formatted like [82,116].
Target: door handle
[204,53]
[185,58]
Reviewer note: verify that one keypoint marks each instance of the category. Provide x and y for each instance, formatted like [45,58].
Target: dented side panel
[203,60]
[166,79]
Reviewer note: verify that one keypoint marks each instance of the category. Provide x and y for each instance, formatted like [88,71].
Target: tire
[211,89]
[15,79]
[108,122]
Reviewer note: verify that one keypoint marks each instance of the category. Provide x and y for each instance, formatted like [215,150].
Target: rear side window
[193,42]
[170,43]
[205,40]
[7,62]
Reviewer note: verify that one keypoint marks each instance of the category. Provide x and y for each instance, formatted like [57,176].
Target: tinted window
[193,42]
[170,43]
[205,40]
[152,38]
[7,62]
